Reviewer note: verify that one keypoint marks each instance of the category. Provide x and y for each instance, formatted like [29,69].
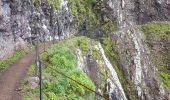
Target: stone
[33,82]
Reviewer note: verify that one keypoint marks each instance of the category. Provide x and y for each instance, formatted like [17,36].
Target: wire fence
[81,84]
[62,73]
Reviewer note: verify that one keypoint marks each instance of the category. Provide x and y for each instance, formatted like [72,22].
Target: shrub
[61,56]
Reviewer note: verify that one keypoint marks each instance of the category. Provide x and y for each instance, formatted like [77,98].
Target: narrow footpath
[11,78]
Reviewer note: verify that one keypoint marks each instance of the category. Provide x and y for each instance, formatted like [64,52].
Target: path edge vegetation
[5,63]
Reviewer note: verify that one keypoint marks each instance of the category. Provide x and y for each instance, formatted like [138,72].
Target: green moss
[55,3]
[165,78]
[36,2]
[96,54]
[87,13]
[157,29]
[83,42]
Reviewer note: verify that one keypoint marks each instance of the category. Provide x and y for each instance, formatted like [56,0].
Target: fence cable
[61,73]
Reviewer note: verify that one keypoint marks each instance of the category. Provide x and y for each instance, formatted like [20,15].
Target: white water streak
[137,61]
[80,64]
[116,85]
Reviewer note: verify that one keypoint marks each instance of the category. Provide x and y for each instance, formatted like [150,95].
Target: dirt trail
[10,79]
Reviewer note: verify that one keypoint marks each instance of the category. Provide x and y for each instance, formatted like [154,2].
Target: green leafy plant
[61,56]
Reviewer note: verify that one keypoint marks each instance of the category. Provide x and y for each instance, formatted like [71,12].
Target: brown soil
[10,79]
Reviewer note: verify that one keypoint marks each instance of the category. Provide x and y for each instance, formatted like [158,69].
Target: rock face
[90,65]
[18,18]
[130,12]
[115,85]
[7,43]
[135,59]
[136,64]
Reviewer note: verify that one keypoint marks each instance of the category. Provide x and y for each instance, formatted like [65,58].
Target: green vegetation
[36,2]
[81,42]
[27,92]
[87,14]
[55,3]
[165,78]
[6,62]
[158,33]
[83,14]
[62,56]
[157,29]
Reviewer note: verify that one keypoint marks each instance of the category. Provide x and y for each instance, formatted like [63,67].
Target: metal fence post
[37,58]
[41,81]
